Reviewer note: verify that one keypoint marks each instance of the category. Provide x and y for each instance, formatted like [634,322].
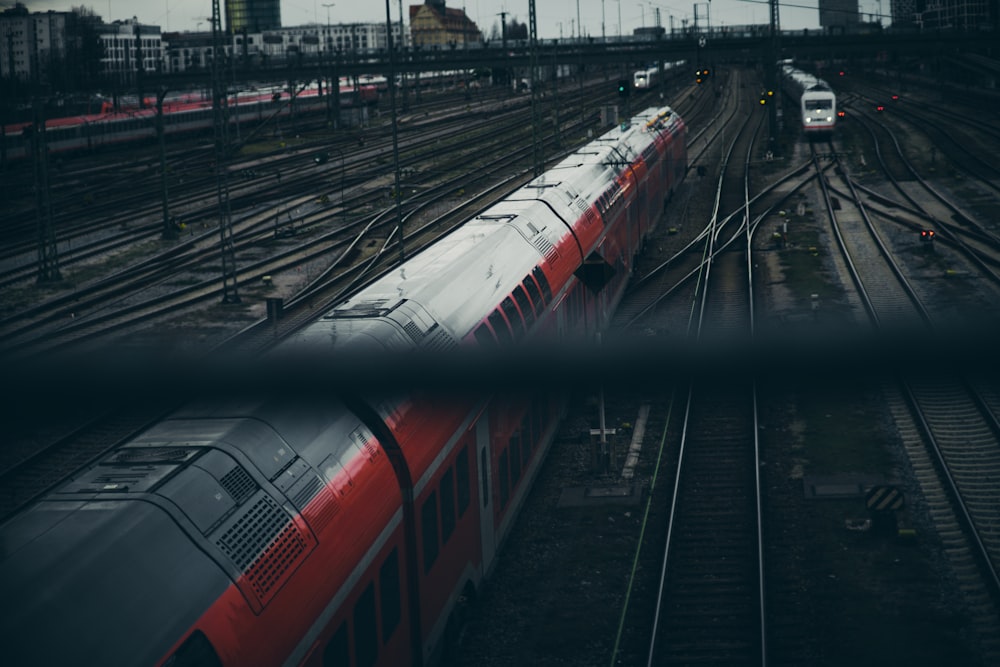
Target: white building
[193,50]
[129,43]
[31,42]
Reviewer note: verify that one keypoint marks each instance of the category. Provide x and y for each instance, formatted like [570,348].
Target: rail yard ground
[852,593]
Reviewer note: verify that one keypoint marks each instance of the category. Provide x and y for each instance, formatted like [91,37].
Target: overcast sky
[555,17]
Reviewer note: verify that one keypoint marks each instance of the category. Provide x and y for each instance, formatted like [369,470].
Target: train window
[504,481]
[389,595]
[536,296]
[196,651]
[447,505]
[462,480]
[500,327]
[514,317]
[429,518]
[525,305]
[484,336]
[365,634]
[543,282]
[484,470]
[337,653]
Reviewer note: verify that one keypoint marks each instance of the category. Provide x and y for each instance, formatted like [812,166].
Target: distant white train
[646,79]
[817,101]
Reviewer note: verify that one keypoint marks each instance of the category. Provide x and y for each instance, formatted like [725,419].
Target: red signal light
[842,72]
[841,114]
[880,107]
[895,97]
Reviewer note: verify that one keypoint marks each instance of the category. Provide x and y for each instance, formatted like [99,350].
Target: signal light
[895,98]
[842,73]
[841,114]
[622,88]
[763,100]
[927,235]
[879,107]
[770,93]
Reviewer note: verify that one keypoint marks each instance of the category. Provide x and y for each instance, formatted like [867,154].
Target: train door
[484,466]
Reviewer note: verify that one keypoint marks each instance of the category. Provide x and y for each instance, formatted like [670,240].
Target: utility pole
[771,77]
[140,69]
[230,285]
[326,47]
[537,152]
[169,230]
[402,49]
[48,249]
[503,45]
[395,137]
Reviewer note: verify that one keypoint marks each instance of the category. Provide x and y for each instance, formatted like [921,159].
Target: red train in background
[307,529]
[184,114]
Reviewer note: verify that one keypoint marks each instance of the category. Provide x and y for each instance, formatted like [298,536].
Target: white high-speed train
[817,101]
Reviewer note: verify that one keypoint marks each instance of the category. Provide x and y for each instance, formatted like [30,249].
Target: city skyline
[555,19]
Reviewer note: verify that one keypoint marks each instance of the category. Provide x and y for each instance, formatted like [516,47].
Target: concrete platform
[835,487]
[584,496]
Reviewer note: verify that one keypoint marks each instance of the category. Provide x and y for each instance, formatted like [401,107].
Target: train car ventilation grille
[414,331]
[133,455]
[440,341]
[329,508]
[277,562]
[258,527]
[364,442]
[239,484]
[546,248]
[315,501]
[365,309]
[304,495]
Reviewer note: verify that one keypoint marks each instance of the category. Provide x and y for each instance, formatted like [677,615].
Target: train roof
[170,521]
[63,561]
[804,81]
[442,293]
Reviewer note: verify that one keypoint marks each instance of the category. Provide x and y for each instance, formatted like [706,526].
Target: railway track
[952,442]
[335,280]
[52,318]
[709,598]
[833,595]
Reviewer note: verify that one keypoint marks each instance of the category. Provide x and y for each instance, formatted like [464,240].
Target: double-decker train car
[300,528]
[183,115]
[817,103]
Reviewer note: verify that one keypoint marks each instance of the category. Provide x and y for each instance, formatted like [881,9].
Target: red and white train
[312,530]
[182,115]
